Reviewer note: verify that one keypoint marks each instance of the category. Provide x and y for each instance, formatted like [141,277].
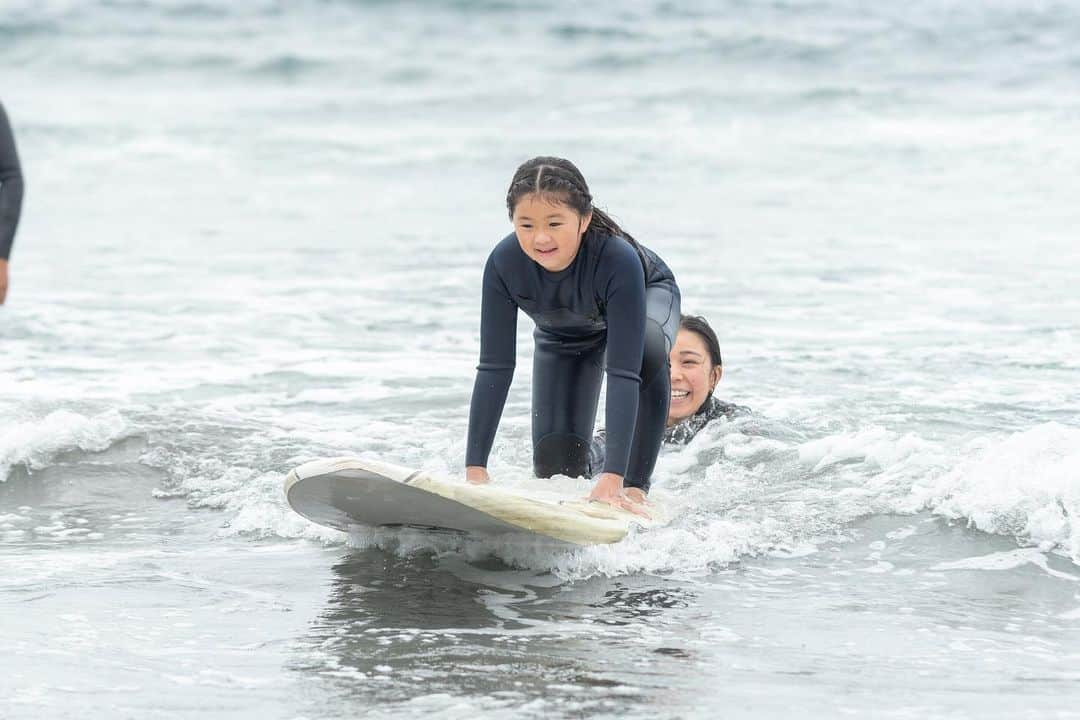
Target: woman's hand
[477,475]
[609,489]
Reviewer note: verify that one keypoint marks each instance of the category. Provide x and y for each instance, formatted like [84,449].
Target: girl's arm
[498,336]
[624,296]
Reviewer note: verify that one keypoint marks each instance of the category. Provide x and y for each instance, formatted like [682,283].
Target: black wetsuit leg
[560,416]
[566,391]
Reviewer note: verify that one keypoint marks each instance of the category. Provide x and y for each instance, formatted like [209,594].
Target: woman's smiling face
[693,375]
[548,232]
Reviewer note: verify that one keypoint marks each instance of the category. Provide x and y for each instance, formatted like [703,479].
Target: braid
[603,222]
[553,179]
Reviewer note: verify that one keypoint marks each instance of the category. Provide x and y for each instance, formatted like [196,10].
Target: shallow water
[253,236]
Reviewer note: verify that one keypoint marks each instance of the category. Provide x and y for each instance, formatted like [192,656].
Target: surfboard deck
[345,492]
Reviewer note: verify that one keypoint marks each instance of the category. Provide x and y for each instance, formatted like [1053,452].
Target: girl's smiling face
[693,375]
[548,232]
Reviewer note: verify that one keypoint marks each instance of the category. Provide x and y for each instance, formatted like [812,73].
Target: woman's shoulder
[712,409]
[716,408]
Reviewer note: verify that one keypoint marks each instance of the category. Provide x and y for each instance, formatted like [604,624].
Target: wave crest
[1027,486]
[36,443]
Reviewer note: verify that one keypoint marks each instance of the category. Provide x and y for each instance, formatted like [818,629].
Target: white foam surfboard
[345,492]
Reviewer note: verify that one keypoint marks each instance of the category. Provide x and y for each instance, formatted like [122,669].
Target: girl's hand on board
[477,475]
[609,489]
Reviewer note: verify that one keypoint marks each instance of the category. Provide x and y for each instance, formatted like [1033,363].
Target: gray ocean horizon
[253,236]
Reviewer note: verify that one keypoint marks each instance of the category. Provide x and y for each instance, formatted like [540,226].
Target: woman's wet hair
[699,325]
[558,180]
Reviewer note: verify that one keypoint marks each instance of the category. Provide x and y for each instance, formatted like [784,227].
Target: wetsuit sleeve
[498,338]
[624,297]
[597,451]
[11,187]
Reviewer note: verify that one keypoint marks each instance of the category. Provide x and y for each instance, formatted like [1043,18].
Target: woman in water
[696,369]
[601,302]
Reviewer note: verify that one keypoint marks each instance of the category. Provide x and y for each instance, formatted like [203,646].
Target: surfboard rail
[343,492]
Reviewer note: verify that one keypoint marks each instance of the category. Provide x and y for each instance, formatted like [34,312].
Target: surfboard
[347,492]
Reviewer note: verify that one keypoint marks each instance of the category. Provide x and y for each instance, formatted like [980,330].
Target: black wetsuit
[684,431]
[11,187]
[680,433]
[612,309]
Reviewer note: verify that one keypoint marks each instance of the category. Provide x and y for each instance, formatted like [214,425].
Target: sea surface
[253,236]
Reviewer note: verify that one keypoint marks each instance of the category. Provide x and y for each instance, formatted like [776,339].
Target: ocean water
[253,236]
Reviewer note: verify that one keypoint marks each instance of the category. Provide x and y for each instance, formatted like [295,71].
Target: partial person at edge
[11,196]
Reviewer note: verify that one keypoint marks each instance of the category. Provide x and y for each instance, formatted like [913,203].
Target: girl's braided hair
[559,181]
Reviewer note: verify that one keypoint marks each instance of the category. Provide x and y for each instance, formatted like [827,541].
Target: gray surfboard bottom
[345,492]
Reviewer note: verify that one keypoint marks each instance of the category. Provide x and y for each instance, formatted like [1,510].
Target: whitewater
[253,236]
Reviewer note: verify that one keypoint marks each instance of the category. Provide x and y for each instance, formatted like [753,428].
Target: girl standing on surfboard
[601,303]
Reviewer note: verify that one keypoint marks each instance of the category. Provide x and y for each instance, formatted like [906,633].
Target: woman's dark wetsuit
[684,431]
[11,187]
[611,309]
[681,432]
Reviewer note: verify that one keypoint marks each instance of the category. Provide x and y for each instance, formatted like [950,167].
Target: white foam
[733,496]
[1005,561]
[902,533]
[726,505]
[27,571]
[255,503]
[335,396]
[1026,485]
[746,447]
[36,443]
[689,547]
[874,444]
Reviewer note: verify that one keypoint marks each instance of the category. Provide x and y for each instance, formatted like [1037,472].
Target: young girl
[601,302]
